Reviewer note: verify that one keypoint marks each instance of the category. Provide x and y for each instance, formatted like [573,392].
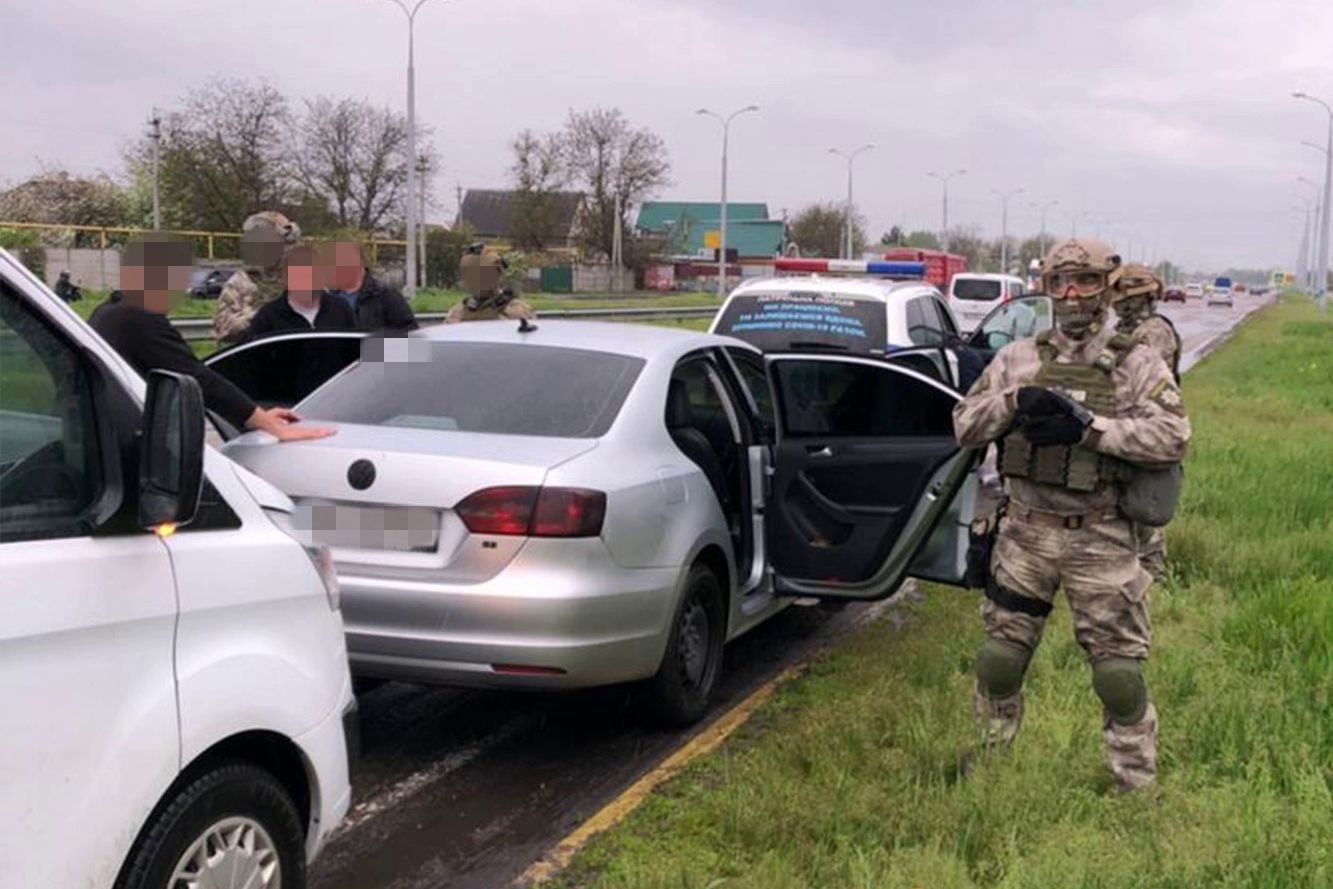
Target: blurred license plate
[413,529]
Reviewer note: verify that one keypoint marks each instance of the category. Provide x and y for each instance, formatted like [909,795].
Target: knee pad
[1000,668]
[1119,682]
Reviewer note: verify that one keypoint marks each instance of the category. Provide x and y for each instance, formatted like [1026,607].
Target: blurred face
[347,268]
[303,277]
[160,279]
[262,249]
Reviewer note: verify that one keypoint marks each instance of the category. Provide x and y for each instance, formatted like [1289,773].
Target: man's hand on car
[284,425]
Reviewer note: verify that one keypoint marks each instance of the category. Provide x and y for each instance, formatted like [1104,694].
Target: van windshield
[775,322]
[977,289]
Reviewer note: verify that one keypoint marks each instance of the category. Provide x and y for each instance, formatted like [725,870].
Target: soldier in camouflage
[1135,302]
[265,239]
[481,271]
[1075,411]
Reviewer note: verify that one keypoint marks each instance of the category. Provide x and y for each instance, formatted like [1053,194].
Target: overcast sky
[1165,123]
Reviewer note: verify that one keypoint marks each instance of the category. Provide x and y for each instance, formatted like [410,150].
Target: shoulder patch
[1167,396]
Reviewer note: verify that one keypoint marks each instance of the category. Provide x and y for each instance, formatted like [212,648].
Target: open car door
[867,478]
[1016,319]
[281,370]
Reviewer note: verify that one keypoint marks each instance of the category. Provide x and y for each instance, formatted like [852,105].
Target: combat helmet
[1137,280]
[272,219]
[480,270]
[1086,265]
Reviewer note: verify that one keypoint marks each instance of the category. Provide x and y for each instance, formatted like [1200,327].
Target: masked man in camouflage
[481,271]
[1135,302]
[265,239]
[1079,412]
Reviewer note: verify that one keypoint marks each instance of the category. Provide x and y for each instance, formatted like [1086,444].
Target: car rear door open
[866,478]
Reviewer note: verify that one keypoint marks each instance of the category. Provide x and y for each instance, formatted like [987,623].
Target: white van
[973,296]
[173,676]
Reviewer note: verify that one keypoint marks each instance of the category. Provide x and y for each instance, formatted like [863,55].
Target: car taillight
[530,511]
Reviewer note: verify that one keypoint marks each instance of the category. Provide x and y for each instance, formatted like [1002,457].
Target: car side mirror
[171,451]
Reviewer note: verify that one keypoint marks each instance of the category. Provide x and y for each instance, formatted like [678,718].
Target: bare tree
[538,171]
[608,158]
[54,196]
[224,155]
[355,155]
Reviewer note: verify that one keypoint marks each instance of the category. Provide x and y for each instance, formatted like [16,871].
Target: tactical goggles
[1084,283]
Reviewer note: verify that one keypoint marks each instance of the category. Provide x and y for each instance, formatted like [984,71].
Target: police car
[867,307]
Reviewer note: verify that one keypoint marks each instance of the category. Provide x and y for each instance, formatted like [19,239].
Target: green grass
[850,775]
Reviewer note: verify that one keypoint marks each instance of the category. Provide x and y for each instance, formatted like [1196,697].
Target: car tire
[232,815]
[682,690]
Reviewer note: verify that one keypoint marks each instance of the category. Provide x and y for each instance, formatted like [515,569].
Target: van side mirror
[171,450]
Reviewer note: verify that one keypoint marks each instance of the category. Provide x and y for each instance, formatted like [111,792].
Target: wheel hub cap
[235,853]
[694,642]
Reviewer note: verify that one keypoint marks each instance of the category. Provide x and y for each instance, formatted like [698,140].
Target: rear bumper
[562,614]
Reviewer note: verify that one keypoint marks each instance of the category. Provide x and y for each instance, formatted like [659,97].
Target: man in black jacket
[133,320]
[378,307]
[305,304]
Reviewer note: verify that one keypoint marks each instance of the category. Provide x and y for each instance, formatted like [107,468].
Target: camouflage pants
[1106,587]
[1152,551]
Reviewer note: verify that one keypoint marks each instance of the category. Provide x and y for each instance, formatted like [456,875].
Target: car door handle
[812,451]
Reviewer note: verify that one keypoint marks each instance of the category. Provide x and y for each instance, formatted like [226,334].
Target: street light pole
[1321,267]
[1308,261]
[847,235]
[156,135]
[722,253]
[944,181]
[410,282]
[1042,208]
[1004,225]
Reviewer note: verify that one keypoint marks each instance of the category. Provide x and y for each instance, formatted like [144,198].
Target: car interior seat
[692,442]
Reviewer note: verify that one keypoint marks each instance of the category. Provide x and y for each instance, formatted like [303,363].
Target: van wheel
[682,690]
[234,825]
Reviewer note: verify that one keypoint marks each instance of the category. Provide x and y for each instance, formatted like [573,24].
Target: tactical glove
[1065,429]
[1038,401]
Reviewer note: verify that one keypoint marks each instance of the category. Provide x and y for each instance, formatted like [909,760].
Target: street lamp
[1004,225]
[1321,268]
[722,253]
[1042,208]
[410,284]
[847,244]
[944,181]
[1306,272]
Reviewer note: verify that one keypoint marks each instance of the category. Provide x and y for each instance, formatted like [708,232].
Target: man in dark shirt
[133,320]
[378,307]
[304,305]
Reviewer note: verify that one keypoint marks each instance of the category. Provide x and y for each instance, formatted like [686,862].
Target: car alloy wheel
[235,851]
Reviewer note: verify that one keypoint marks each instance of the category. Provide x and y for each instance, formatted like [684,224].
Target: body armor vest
[1075,467]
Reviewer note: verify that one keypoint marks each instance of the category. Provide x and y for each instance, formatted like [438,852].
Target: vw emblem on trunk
[361,474]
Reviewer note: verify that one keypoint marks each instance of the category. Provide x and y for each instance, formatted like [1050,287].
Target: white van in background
[973,296]
[173,675]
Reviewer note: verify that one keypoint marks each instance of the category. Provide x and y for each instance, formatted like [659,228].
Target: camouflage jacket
[241,297]
[1160,335]
[1149,427]
[514,309]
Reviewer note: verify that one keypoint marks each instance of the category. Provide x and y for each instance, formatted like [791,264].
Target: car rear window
[479,387]
[972,288]
[774,322]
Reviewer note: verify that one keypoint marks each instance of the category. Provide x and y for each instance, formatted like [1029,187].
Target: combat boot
[998,719]
[1132,750]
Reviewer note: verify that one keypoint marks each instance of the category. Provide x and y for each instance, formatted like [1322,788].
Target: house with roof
[493,213]
[692,228]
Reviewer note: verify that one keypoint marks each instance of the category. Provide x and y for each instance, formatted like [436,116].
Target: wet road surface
[464,788]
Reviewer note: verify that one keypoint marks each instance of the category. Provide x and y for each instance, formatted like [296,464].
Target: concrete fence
[88,267]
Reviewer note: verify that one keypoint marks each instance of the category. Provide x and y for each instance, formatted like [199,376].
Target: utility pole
[156,135]
[423,167]
[722,234]
[944,181]
[1004,225]
[847,235]
[1042,208]
[617,250]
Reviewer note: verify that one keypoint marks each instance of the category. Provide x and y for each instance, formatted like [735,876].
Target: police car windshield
[775,322]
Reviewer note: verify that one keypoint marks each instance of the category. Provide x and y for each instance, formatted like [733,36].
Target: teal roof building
[686,223]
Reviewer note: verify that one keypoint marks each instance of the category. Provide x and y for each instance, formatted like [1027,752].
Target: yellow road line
[615,811]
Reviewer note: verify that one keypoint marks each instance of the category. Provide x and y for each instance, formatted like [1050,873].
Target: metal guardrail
[202,328]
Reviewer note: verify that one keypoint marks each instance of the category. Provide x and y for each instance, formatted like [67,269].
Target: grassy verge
[850,777]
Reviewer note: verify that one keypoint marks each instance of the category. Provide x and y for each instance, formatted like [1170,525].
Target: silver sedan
[582,504]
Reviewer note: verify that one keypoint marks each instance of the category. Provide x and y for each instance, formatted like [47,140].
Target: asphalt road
[465,789]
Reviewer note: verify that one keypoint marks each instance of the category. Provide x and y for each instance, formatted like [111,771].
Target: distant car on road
[1173,295]
[972,296]
[605,508]
[1194,291]
[1220,296]
[207,282]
